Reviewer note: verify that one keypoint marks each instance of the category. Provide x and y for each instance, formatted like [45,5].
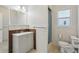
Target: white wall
[68,31]
[5,14]
[78,22]
[38,17]
[1,28]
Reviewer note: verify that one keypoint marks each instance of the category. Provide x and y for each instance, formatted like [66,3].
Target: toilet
[66,47]
[75,43]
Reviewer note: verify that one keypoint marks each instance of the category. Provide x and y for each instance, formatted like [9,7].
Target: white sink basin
[22,33]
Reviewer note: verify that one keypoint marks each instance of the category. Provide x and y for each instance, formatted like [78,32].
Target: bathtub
[22,42]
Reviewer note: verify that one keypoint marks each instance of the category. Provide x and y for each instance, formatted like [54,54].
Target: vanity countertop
[22,33]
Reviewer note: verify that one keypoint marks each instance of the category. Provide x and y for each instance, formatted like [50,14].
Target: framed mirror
[17,18]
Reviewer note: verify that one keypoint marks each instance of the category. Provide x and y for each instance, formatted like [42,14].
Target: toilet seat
[66,47]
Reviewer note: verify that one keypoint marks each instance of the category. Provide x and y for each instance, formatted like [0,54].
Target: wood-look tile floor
[53,48]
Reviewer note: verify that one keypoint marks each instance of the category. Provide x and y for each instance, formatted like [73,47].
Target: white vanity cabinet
[22,42]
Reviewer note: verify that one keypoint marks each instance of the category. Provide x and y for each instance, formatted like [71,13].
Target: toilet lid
[63,44]
[68,49]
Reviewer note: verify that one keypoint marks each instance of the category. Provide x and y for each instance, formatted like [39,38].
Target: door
[49,26]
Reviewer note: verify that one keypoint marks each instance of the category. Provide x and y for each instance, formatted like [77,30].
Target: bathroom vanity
[11,32]
[22,42]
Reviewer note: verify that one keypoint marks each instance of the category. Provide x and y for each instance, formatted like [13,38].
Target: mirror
[17,18]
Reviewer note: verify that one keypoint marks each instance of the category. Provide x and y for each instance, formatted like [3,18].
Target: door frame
[49,9]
